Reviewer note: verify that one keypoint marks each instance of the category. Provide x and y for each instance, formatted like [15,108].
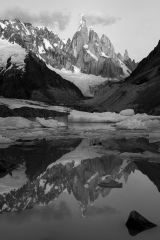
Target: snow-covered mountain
[24,74]
[88,52]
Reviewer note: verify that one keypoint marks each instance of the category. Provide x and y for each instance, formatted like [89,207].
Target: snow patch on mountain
[64,41]
[41,49]
[26,30]
[92,55]
[2,25]
[104,55]
[47,44]
[14,51]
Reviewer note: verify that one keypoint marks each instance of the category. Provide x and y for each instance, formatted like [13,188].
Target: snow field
[13,51]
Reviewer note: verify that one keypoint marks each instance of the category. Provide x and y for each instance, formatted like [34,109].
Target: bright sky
[130,24]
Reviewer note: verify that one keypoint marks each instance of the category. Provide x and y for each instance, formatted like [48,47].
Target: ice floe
[50,123]
[124,120]
[16,123]
[127,112]
[77,116]
[131,124]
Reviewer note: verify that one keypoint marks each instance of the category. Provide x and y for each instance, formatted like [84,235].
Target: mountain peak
[126,55]
[83,22]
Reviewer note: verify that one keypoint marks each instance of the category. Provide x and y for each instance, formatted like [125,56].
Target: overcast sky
[130,24]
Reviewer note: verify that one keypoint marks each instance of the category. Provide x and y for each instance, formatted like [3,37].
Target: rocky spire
[83,23]
[126,55]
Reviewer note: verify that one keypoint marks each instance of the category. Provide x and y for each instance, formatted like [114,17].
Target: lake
[49,187]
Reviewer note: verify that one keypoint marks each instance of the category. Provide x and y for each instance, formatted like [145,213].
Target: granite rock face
[96,55]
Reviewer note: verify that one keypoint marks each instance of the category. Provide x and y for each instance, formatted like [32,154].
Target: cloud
[102,18]
[58,19]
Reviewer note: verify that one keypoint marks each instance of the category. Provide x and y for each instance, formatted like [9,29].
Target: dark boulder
[136,223]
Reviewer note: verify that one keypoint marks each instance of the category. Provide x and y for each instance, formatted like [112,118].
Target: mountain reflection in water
[47,171]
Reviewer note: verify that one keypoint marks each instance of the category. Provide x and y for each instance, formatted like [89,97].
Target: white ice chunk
[152,123]
[50,123]
[131,124]
[77,116]
[127,112]
[15,122]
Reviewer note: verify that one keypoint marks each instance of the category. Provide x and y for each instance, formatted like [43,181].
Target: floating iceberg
[16,123]
[127,112]
[124,120]
[49,123]
[138,124]
[77,116]
[131,124]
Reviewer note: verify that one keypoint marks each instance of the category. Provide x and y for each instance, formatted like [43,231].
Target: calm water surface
[43,199]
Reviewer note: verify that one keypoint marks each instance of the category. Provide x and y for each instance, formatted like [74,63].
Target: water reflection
[51,172]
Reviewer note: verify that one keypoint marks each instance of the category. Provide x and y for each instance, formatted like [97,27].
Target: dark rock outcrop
[37,82]
[136,223]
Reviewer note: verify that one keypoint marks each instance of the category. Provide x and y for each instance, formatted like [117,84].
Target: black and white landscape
[79,120]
